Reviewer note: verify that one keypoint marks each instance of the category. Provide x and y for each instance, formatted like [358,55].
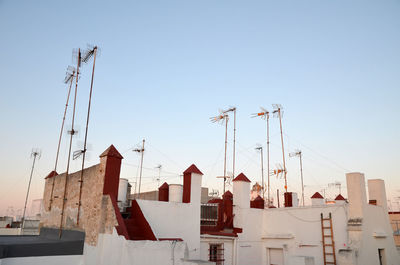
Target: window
[216,253]
[209,214]
[382,257]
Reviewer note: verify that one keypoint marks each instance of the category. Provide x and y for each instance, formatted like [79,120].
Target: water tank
[122,190]
[175,192]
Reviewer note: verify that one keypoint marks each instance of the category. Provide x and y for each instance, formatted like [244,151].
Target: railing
[209,214]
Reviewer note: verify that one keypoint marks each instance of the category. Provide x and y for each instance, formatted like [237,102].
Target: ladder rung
[330,262]
[328,253]
[326,219]
[327,236]
[329,245]
[326,227]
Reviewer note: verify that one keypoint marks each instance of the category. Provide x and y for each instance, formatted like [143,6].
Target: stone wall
[97,214]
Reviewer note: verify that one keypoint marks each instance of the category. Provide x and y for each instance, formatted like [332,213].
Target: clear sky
[167,66]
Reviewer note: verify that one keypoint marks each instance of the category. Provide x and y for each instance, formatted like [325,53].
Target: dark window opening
[216,253]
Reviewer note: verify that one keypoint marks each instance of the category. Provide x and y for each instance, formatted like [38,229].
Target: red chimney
[110,162]
[163,192]
[187,182]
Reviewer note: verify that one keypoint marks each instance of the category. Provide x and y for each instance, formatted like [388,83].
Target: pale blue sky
[167,66]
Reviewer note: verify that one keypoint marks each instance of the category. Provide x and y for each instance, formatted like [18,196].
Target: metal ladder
[328,243]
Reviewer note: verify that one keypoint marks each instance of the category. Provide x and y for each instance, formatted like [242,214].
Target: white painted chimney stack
[377,191]
[317,199]
[356,194]
[241,191]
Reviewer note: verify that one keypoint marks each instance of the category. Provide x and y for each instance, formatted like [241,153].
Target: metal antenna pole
[269,198]
[63,120]
[34,154]
[69,76]
[141,167]
[264,114]
[301,172]
[226,143]
[70,143]
[234,141]
[86,133]
[299,154]
[278,111]
[283,149]
[220,118]
[262,171]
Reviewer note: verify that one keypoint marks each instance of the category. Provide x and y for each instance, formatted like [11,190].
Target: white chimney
[317,199]
[175,192]
[340,200]
[241,191]
[356,193]
[377,191]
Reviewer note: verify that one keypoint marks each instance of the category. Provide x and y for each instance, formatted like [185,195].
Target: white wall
[116,250]
[174,220]
[206,240]
[298,231]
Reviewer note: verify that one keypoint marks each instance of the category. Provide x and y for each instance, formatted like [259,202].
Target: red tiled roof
[192,169]
[112,152]
[241,177]
[340,198]
[51,174]
[317,195]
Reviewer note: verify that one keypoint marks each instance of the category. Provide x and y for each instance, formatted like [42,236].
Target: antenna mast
[35,154]
[299,154]
[159,175]
[72,132]
[264,114]
[221,118]
[262,170]
[69,78]
[91,52]
[278,112]
[233,109]
[141,167]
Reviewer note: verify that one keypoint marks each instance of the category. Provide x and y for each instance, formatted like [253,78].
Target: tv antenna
[214,193]
[336,184]
[264,114]
[299,154]
[277,172]
[259,148]
[140,151]
[78,56]
[36,154]
[69,78]
[233,109]
[278,113]
[159,175]
[223,117]
[90,52]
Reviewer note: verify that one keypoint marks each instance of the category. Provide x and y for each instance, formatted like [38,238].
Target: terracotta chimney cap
[340,198]
[51,174]
[112,152]
[317,195]
[241,177]
[227,194]
[192,169]
[258,198]
[164,186]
